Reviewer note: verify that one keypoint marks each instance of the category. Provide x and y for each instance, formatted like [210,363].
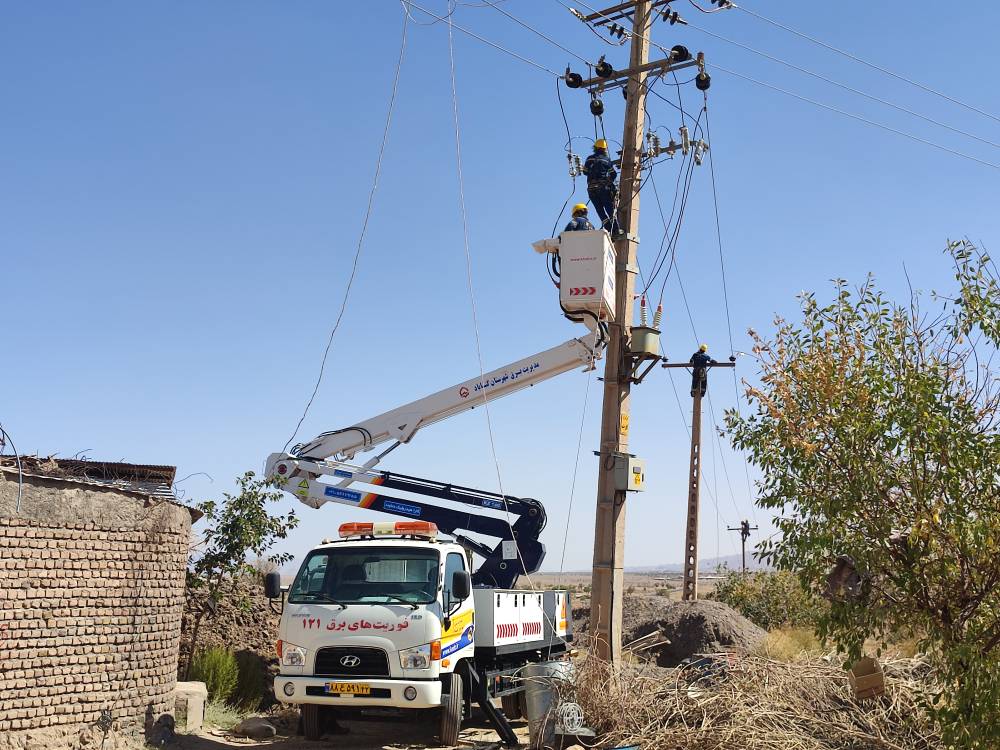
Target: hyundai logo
[350,661]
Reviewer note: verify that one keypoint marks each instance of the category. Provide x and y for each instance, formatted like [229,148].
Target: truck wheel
[451,712]
[511,705]
[312,727]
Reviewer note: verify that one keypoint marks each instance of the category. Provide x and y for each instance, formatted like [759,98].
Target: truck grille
[343,661]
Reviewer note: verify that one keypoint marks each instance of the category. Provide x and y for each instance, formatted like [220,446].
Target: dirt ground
[364,735]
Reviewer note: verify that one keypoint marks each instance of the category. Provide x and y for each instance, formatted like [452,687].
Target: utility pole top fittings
[744,528]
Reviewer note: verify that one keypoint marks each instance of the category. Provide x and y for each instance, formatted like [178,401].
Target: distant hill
[709,565]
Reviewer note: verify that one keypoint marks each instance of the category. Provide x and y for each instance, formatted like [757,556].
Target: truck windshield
[367,576]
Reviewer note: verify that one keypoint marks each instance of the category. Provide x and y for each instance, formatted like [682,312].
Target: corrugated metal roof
[147,479]
[142,479]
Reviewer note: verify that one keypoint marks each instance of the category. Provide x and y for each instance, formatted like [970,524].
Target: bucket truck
[392,615]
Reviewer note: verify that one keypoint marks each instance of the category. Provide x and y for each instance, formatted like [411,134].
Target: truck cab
[386,616]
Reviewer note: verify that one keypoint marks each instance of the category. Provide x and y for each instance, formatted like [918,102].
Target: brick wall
[90,617]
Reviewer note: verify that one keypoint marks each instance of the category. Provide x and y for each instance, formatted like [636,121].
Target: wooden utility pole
[690,591]
[744,528]
[609,532]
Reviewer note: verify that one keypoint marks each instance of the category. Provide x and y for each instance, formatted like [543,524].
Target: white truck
[386,617]
[394,616]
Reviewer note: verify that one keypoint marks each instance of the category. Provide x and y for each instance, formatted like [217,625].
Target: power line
[576,468]
[532,29]
[364,230]
[722,264]
[718,230]
[872,65]
[484,40]
[859,118]
[845,87]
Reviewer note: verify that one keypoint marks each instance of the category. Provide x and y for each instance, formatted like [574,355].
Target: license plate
[348,688]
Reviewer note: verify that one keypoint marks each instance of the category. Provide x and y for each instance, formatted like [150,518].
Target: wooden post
[609,532]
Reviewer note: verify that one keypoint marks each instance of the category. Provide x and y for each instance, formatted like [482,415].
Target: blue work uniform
[601,188]
[699,374]
[579,224]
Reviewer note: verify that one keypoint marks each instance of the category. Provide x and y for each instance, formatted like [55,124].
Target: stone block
[189,705]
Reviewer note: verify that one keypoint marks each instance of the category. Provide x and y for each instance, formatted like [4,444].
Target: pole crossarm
[688,365]
[618,12]
[622,77]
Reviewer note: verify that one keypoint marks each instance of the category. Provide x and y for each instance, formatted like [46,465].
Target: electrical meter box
[630,473]
[587,273]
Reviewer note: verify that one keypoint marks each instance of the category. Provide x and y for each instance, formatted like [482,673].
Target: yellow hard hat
[703,348]
[600,143]
[579,208]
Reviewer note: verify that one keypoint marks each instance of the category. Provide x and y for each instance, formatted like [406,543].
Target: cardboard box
[867,678]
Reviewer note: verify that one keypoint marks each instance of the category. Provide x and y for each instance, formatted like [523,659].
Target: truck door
[457,639]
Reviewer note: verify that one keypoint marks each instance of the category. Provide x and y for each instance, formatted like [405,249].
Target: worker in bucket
[700,362]
[601,188]
[580,222]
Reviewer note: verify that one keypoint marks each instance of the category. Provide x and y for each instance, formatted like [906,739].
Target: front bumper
[384,692]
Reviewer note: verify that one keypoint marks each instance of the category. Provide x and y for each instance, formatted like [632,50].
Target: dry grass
[758,703]
[789,644]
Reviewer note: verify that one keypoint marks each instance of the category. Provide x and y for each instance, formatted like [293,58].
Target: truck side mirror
[272,585]
[461,585]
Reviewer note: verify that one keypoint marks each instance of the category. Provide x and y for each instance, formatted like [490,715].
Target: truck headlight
[292,655]
[419,657]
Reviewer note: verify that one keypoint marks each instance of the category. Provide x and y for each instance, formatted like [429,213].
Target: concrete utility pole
[621,369]
[744,528]
[609,538]
[690,592]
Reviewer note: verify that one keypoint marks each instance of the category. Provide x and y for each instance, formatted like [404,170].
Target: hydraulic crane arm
[402,423]
[517,550]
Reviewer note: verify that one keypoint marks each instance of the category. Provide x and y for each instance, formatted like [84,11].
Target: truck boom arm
[402,423]
[518,550]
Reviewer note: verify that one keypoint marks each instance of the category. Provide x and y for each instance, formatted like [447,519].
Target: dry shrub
[757,704]
[789,644]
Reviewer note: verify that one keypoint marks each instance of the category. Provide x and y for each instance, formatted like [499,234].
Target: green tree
[237,528]
[769,598]
[875,428]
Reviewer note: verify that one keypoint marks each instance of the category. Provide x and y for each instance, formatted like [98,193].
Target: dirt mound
[672,631]
[682,629]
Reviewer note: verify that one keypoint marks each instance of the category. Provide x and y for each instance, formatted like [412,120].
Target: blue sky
[182,187]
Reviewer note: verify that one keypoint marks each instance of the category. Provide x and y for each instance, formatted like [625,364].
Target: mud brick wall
[91,599]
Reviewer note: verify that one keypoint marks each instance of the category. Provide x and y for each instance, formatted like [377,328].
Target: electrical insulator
[577,166]
[596,106]
[699,152]
[703,81]
[603,68]
[658,316]
[673,18]
[643,320]
[685,140]
[656,144]
[679,53]
[572,159]
[580,15]
[573,80]
[723,4]
[616,31]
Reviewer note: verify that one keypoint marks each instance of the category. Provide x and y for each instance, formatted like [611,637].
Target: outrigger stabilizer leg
[496,717]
